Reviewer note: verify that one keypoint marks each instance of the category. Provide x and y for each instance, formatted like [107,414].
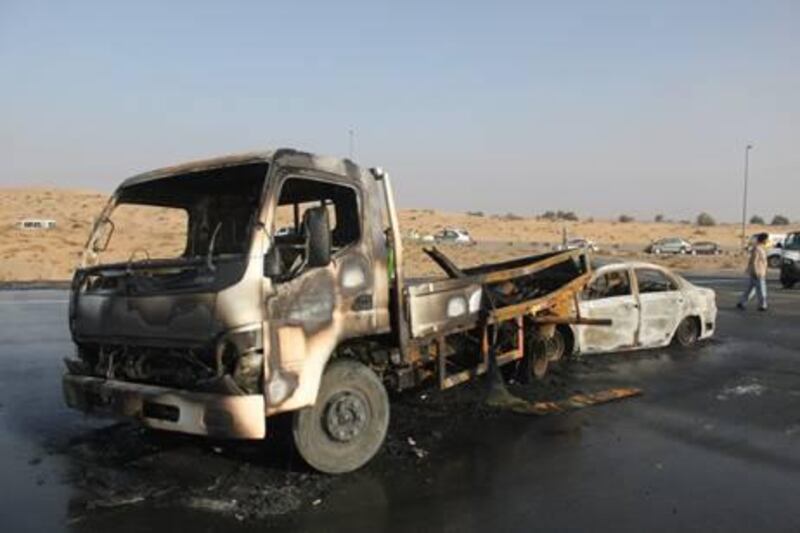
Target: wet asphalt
[712,445]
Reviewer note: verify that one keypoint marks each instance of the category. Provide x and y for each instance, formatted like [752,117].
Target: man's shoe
[740,306]
[762,308]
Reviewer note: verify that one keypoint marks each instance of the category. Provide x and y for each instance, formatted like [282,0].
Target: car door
[661,302]
[609,295]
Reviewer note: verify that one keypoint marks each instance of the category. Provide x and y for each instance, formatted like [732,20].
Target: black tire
[687,333]
[787,283]
[347,425]
[774,261]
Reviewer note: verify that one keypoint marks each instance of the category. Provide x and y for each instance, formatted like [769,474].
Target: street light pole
[744,199]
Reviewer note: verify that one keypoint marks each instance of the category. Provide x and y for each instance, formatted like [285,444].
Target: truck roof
[283,156]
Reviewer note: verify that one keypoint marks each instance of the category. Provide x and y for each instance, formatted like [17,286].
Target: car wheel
[774,261]
[688,332]
[347,425]
[787,283]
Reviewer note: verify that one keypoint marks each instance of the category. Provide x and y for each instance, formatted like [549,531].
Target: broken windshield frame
[221,206]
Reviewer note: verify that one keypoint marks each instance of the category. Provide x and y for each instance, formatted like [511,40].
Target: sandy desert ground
[45,255]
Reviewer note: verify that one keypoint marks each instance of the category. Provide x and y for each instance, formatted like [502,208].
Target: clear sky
[598,107]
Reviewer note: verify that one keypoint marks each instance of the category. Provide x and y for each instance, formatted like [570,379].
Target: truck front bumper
[215,415]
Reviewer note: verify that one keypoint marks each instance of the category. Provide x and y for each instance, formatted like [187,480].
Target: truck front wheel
[347,425]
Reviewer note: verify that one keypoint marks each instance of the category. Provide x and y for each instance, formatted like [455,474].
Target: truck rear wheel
[537,357]
[347,425]
[556,346]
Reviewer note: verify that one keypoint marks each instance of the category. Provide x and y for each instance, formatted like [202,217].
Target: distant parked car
[671,245]
[706,248]
[573,244]
[649,306]
[36,223]
[453,235]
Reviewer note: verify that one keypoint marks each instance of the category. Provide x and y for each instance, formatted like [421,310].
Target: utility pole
[744,199]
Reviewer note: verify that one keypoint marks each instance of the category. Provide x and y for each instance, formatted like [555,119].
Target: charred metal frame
[301,323]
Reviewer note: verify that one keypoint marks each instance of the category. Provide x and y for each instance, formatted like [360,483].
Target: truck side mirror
[318,236]
[273,266]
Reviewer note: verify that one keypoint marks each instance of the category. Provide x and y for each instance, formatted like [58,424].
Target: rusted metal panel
[434,307]
[501,399]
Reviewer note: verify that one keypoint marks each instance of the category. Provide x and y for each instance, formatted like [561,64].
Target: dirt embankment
[36,255]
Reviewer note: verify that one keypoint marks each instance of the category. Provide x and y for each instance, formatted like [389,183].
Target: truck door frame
[305,318]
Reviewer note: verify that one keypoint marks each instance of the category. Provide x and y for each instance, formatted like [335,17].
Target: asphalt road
[712,445]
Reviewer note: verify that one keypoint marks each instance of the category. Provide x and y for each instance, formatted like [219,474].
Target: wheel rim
[345,416]
[555,347]
[540,366]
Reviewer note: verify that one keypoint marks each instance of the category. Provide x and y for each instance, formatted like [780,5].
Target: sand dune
[31,255]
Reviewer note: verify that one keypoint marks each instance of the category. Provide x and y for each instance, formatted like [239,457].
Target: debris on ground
[125,465]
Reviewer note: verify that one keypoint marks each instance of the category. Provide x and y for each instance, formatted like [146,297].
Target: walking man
[757,274]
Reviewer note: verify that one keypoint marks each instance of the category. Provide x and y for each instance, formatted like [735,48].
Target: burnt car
[651,307]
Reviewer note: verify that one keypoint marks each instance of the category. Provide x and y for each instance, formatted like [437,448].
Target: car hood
[180,319]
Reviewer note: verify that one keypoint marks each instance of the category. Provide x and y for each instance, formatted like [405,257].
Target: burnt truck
[309,314]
